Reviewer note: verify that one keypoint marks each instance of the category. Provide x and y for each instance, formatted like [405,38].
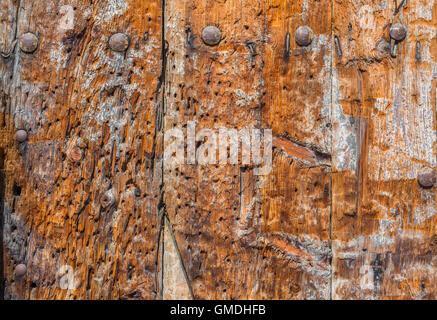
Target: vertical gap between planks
[332,153]
[163,217]
[161,105]
[2,194]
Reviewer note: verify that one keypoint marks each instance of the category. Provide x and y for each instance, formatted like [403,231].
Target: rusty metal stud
[403,2]
[107,199]
[75,154]
[418,51]
[28,42]
[427,179]
[338,46]
[20,270]
[398,32]
[211,35]
[304,36]
[119,42]
[393,48]
[287,45]
[21,135]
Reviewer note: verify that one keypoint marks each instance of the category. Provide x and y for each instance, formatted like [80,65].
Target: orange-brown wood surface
[384,226]
[93,208]
[75,92]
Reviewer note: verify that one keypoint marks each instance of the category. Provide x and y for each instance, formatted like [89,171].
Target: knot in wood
[28,42]
[75,154]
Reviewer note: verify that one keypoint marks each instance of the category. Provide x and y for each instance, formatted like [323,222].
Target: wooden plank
[295,198]
[384,226]
[339,215]
[223,215]
[215,86]
[8,14]
[75,95]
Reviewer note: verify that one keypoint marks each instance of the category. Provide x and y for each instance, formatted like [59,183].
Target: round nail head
[119,42]
[304,36]
[398,32]
[211,35]
[427,179]
[28,42]
[21,135]
[76,154]
[20,270]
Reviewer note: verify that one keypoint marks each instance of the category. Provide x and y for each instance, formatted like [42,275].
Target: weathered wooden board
[8,14]
[216,86]
[295,197]
[266,246]
[384,223]
[340,214]
[74,92]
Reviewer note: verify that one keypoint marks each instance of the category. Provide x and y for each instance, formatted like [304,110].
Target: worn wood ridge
[90,207]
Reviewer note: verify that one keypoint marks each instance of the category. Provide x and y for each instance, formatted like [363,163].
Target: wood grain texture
[216,87]
[75,92]
[257,252]
[384,224]
[94,209]
[295,198]
[8,13]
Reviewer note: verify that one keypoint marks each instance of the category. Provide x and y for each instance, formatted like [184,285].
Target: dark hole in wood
[16,190]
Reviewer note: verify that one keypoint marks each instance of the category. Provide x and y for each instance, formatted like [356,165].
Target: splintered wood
[91,207]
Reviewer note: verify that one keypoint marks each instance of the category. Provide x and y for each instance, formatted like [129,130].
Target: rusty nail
[107,199]
[21,135]
[211,35]
[189,39]
[75,154]
[119,42]
[338,46]
[418,51]
[20,270]
[304,36]
[398,32]
[399,7]
[28,42]
[287,45]
[393,48]
[427,179]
